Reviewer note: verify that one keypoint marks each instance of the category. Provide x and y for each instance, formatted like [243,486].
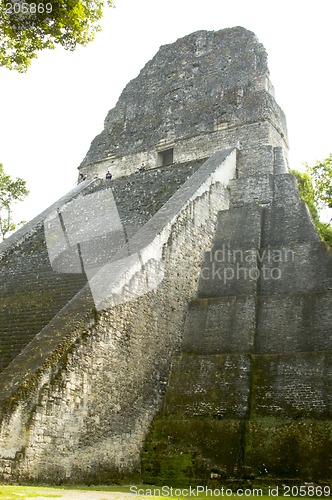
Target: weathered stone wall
[215,92]
[192,149]
[255,364]
[81,410]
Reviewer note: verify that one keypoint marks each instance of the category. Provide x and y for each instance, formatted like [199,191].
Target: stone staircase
[32,293]
[252,381]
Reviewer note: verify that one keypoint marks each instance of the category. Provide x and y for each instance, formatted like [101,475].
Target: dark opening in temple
[165,158]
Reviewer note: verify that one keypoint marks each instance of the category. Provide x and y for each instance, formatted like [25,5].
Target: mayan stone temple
[173,325]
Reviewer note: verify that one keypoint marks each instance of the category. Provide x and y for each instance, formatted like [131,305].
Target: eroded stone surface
[212,82]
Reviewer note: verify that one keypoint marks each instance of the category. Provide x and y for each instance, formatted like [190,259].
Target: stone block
[238,228]
[256,160]
[304,268]
[216,386]
[294,385]
[194,450]
[287,225]
[294,323]
[286,191]
[287,449]
[280,161]
[223,274]
[254,189]
[220,325]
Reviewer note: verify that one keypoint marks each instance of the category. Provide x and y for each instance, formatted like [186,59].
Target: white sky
[50,115]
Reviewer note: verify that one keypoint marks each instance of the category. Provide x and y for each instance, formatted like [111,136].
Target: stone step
[91,254]
[46,279]
[228,274]
[263,159]
[264,189]
[256,189]
[266,324]
[201,385]
[18,340]
[18,333]
[284,225]
[290,323]
[202,451]
[220,325]
[298,268]
[238,228]
[18,329]
[18,313]
[21,318]
[250,386]
[293,269]
[197,451]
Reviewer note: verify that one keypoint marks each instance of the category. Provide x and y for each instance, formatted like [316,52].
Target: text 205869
[28,8]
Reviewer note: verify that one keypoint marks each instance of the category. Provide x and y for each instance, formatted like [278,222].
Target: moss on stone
[290,448]
[188,451]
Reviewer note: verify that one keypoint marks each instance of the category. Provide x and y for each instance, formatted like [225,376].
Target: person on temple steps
[142,167]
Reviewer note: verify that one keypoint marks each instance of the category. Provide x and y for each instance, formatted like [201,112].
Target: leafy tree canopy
[10,192]
[315,187]
[28,26]
[321,174]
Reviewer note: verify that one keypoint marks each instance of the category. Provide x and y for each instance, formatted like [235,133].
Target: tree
[321,174]
[10,192]
[28,26]
[313,190]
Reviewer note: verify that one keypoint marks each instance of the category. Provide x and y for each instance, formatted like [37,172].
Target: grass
[23,492]
[147,492]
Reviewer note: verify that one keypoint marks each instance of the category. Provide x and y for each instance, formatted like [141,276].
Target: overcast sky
[50,115]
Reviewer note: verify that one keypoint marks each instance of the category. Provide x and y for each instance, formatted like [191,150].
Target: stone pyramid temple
[173,325]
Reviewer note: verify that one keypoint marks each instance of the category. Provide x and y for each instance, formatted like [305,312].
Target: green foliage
[314,189]
[42,24]
[307,192]
[10,192]
[321,174]
[325,232]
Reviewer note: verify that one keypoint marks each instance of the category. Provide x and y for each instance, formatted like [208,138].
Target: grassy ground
[157,493]
[17,492]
